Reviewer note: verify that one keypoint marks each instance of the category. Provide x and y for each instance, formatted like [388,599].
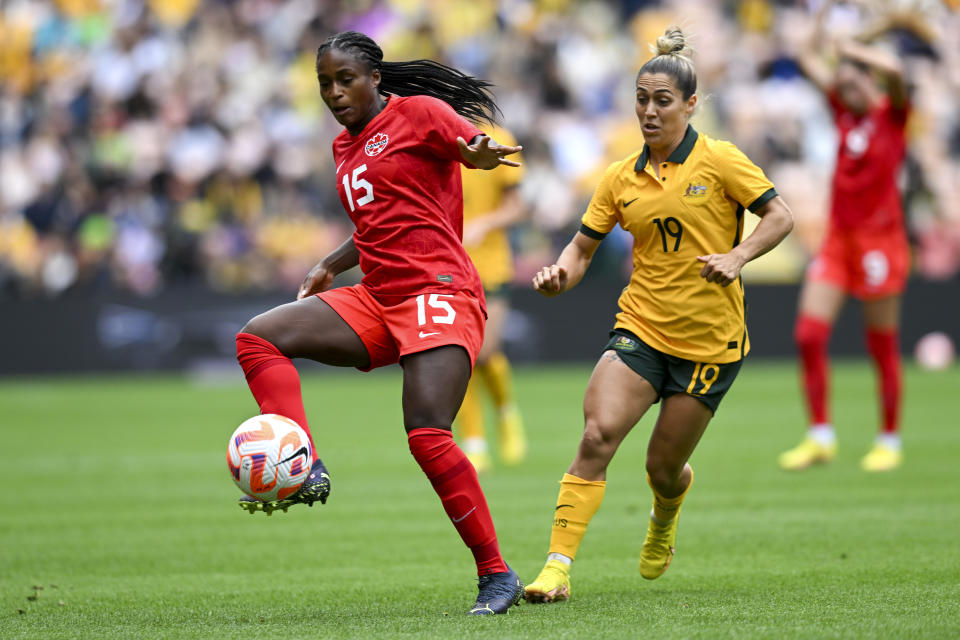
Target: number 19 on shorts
[704,375]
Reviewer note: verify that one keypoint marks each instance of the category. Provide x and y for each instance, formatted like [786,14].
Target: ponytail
[468,96]
[672,57]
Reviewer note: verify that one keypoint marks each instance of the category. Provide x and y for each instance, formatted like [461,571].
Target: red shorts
[867,266]
[422,322]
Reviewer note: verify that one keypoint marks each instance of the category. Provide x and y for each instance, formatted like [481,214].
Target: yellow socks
[665,509]
[499,380]
[470,418]
[578,500]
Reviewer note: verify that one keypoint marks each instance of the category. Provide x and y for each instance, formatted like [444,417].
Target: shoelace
[659,532]
[493,586]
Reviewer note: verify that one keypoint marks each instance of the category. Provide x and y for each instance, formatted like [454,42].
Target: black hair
[672,58]
[469,96]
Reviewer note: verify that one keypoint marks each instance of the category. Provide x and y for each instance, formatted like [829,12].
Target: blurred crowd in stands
[150,143]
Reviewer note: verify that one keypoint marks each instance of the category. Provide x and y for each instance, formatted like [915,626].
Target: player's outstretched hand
[319,279]
[487,153]
[722,268]
[550,281]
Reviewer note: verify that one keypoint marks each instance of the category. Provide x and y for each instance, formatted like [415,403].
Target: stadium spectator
[420,302]
[680,335]
[96,96]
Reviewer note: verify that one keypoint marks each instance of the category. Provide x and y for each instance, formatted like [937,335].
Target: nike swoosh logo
[460,519]
[561,506]
[302,451]
[338,166]
[432,333]
[626,203]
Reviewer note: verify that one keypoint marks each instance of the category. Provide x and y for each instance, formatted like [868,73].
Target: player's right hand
[550,281]
[319,279]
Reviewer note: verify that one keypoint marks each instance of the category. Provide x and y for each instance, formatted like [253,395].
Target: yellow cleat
[513,439]
[806,454]
[480,461]
[658,547]
[882,458]
[551,585]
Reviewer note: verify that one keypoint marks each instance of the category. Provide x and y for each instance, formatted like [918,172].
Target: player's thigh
[434,383]
[310,328]
[679,427]
[615,400]
[882,313]
[497,309]
[821,299]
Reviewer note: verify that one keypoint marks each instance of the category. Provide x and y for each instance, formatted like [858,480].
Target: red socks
[272,378]
[812,335]
[884,348]
[455,481]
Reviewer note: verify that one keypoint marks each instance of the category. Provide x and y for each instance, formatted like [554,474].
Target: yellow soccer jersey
[693,209]
[483,193]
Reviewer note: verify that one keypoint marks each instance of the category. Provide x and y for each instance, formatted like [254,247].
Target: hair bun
[672,42]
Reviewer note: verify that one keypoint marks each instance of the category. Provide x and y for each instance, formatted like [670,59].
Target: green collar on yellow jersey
[679,154]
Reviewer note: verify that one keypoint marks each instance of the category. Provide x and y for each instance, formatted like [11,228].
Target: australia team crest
[376,144]
[695,191]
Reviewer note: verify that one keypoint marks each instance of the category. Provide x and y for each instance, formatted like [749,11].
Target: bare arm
[510,212]
[776,221]
[883,63]
[810,56]
[321,276]
[569,268]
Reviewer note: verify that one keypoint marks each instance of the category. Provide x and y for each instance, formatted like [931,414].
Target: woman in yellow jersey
[491,204]
[680,334]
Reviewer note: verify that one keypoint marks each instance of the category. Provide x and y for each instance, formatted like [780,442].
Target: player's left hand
[722,268]
[487,153]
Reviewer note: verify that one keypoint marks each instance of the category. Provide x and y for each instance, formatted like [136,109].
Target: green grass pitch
[116,500]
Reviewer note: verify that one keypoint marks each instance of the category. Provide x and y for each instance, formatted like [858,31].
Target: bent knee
[597,440]
[811,332]
[664,472]
[268,327]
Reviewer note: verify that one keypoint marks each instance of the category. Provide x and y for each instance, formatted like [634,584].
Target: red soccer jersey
[399,180]
[871,148]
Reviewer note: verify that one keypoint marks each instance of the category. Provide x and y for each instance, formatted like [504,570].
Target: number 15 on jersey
[353,182]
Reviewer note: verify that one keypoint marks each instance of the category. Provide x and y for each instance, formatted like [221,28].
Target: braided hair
[469,96]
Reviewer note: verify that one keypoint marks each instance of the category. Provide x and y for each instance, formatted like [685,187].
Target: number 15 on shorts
[437,303]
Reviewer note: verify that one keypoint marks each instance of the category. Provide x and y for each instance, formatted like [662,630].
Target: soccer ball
[269,457]
[934,351]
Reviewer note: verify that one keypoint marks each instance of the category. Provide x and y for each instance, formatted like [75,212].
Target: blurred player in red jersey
[420,302]
[865,251]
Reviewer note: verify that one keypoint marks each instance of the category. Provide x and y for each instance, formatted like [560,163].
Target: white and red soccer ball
[269,457]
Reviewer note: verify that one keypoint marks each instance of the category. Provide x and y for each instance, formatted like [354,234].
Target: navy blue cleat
[314,488]
[498,592]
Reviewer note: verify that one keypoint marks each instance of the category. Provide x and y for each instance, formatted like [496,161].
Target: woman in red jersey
[420,302]
[865,252]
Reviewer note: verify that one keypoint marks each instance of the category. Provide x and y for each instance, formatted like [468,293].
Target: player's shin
[473,441]
[665,509]
[272,378]
[885,350]
[455,481]
[577,502]
[498,377]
